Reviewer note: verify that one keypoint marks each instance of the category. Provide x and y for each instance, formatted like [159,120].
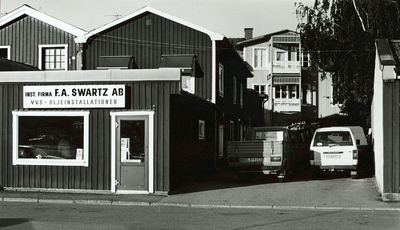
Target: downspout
[213,73]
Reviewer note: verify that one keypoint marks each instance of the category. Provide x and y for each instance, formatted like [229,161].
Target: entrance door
[132,148]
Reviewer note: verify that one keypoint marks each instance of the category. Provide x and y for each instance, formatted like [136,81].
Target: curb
[160,204]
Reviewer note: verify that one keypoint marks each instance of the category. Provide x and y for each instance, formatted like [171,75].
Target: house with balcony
[280,72]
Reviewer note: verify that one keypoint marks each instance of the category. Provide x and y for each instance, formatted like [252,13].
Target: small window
[232,131]
[5,52]
[50,138]
[221,80]
[260,58]
[241,95]
[202,130]
[234,90]
[188,83]
[220,141]
[53,57]
[260,89]
[281,56]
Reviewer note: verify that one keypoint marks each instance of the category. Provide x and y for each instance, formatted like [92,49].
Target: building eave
[83,39]
[29,11]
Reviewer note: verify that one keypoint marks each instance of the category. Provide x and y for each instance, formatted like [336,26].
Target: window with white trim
[5,52]
[53,57]
[221,80]
[260,57]
[202,129]
[260,89]
[51,138]
[188,84]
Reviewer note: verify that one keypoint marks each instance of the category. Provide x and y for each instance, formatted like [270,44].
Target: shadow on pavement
[223,179]
[8,222]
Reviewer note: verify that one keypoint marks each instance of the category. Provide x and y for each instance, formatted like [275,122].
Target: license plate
[254,159]
[333,156]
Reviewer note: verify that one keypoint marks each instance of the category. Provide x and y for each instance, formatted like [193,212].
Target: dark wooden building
[32,37]
[152,110]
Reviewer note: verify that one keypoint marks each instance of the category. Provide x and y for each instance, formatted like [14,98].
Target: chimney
[248,33]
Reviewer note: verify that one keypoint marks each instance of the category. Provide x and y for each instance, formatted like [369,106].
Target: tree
[340,37]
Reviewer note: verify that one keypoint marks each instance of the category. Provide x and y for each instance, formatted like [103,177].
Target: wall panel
[98,175]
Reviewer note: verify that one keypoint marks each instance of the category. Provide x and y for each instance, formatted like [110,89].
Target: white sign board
[74,96]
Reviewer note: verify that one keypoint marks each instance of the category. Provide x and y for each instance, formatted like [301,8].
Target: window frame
[221,73]
[241,95]
[258,89]
[8,48]
[56,46]
[234,90]
[259,58]
[191,86]
[202,130]
[51,162]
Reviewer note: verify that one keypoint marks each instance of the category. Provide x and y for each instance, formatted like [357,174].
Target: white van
[337,148]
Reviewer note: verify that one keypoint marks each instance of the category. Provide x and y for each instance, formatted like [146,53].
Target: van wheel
[315,173]
[353,174]
[282,176]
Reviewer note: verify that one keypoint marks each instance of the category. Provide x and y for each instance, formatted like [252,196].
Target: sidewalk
[219,191]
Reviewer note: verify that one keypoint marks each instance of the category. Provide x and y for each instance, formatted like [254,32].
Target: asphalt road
[75,216]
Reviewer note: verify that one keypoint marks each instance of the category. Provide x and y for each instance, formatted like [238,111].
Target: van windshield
[333,138]
[269,135]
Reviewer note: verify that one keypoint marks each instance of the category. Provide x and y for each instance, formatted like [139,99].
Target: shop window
[53,57]
[202,130]
[50,138]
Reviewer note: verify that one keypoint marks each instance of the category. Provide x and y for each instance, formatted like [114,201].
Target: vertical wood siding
[147,38]
[97,176]
[25,35]
[325,106]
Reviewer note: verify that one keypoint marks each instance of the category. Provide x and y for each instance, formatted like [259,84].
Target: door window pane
[133,140]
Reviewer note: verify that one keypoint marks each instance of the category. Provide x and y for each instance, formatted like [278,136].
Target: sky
[226,17]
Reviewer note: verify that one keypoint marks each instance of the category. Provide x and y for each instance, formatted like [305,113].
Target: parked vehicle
[271,150]
[337,148]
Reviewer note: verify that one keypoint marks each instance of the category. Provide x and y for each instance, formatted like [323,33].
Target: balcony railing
[287,105]
[286,67]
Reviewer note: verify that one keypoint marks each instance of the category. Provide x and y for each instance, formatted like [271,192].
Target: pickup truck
[281,151]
